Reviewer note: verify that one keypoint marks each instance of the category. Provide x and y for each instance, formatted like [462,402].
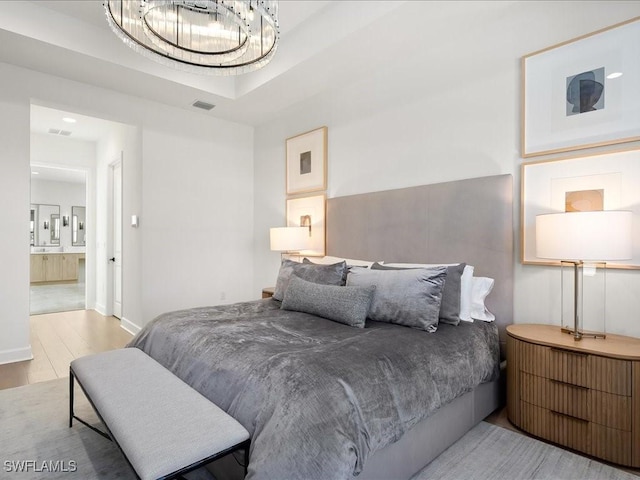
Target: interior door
[117,239]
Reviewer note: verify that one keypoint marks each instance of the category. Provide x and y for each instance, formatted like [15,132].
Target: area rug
[488,452]
[37,443]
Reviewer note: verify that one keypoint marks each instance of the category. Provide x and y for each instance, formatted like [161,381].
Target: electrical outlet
[223,295]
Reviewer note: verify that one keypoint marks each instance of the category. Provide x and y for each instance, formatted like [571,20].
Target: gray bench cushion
[160,422]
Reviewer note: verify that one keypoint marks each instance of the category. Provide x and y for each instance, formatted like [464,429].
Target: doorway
[58,223]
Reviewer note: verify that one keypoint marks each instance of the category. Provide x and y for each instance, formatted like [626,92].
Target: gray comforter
[318,397]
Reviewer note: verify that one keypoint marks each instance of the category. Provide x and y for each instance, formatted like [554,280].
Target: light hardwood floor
[58,338]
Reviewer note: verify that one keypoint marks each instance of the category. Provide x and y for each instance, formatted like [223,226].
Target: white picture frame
[309,211]
[306,162]
[582,93]
[544,185]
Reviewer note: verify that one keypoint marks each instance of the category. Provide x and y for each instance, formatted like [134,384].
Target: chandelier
[220,37]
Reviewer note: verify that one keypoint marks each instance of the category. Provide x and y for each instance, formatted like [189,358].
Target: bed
[325,400]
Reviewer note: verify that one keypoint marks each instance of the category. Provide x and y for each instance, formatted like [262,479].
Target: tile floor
[58,297]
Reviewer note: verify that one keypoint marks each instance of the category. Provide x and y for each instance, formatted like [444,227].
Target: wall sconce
[65,220]
[46,225]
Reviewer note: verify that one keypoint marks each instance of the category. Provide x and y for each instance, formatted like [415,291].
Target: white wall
[198,220]
[14,241]
[416,122]
[221,153]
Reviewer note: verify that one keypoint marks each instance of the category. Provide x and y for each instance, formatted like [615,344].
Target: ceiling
[71,39]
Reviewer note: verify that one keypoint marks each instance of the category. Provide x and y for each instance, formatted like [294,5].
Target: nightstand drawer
[611,444]
[556,427]
[611,410]
[570,431]
[553,395]
[587,404]
[610,375]
[569,399]
[569,367]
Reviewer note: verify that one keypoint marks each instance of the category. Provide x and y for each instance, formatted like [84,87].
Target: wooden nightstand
[268,292]
[584,395]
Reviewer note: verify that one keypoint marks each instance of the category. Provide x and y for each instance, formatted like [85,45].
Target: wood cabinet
[54,267]
[584,394]
[69,266]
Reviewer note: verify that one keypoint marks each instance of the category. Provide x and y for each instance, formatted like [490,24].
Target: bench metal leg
[246,458]
[70,398]
[72,415]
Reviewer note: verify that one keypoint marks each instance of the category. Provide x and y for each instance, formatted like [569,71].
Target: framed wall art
[582,93]
[309,212]
[307,162]
[601,181]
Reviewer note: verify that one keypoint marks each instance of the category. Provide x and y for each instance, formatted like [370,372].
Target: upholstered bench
[163,427]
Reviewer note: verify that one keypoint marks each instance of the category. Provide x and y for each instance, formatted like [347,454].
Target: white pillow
[466,284]
[328,260]
[481,287]
[466,289]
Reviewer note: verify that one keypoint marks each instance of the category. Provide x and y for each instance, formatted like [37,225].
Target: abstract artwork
[595,182]
[582,93]
[585,92]
[307,162]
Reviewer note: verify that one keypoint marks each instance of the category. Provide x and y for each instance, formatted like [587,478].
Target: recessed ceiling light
[614,75]
[35,173]
[69,120]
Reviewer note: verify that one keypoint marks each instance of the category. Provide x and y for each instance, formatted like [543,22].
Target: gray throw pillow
[406,297]
[325,274]
[450,306]
[347,305]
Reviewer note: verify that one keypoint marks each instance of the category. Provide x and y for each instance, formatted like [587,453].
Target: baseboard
[16,355]
[101,309]
[129,326]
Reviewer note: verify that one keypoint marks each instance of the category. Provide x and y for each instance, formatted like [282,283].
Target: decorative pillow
[348,305]
[450,305]
[324,274]
[406,297]
[465,285]
[482,287]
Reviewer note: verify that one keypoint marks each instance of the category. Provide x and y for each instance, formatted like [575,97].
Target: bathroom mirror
[78,227]
[55,229]
[44,223]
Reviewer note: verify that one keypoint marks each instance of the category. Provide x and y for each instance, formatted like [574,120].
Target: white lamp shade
[593,236]
[288,239]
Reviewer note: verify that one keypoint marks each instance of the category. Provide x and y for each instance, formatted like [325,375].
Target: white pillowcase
[466,291]
[482,286]
[328,260]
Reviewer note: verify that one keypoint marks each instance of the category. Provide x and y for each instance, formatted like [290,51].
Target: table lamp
[289,240]
[579,237]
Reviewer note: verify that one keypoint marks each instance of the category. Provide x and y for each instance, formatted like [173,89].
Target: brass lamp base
[579,334]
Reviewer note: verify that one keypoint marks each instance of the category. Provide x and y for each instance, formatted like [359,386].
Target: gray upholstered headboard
[463,221]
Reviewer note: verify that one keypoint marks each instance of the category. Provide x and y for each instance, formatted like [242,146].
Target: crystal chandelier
[220,37]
